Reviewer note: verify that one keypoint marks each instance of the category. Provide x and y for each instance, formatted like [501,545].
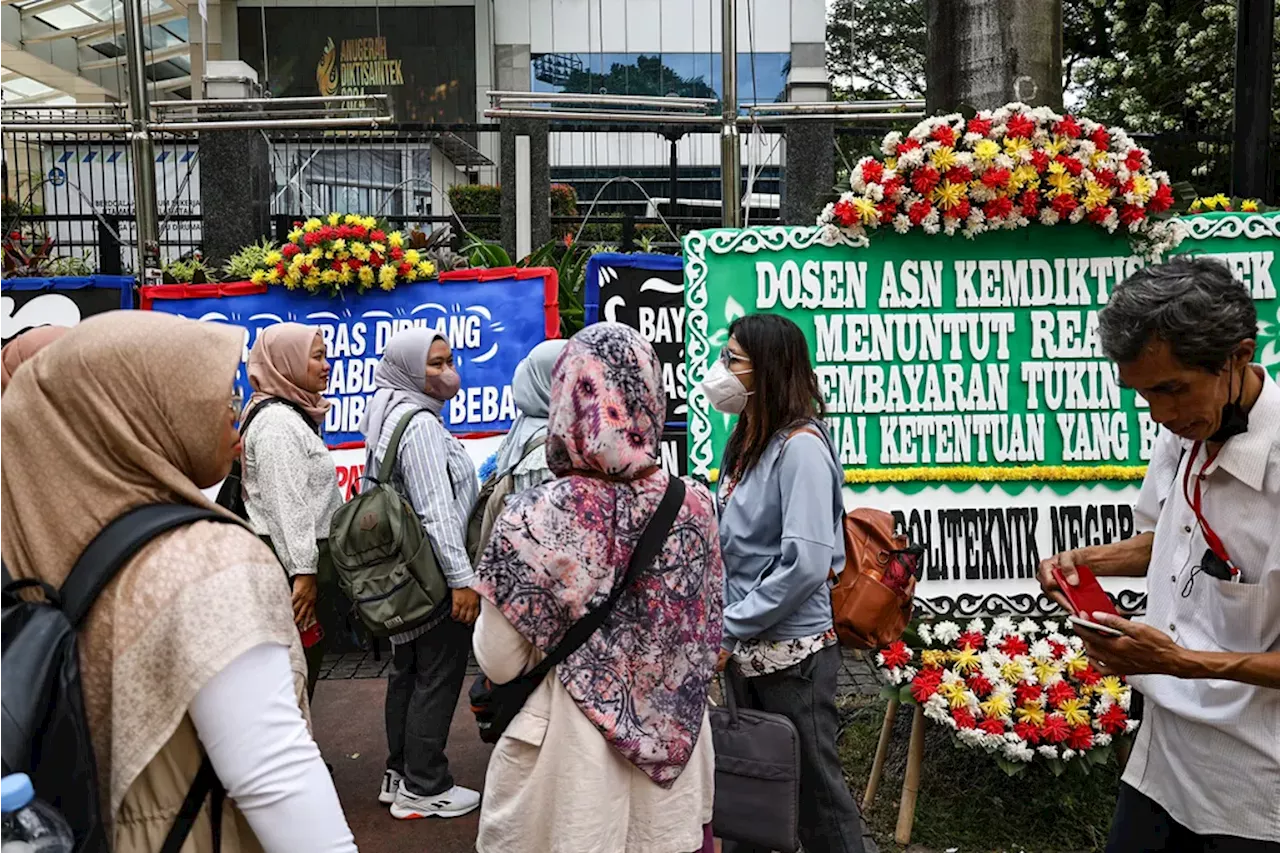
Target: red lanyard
[1193,500]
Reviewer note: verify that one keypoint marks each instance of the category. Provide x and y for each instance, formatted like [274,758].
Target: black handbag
[496,705]
[757,800]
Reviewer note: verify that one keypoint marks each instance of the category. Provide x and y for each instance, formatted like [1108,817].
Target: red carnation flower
[872,171]
[892,186]
[1020,125]
[979,684]
[1101,138]
[996,178]
[1013,645]
[1073,166]
[344,231]
[964,720]
[981,126]
[1132,214]
[328,232]
[896,654]
[1055,728]
[1058,649]
[924,179]
[1113,720]
[1026,692]
[396,253]
[311,239]
[959,175]
[1030,201]
[297,223]
[304,269]
[377,236]
[922,689]
[1040,160]
[1105,177]
[908,144]
[845,214]
[945,134]
[1059,693]
[290,249]
[336,266]
[405,268]
[354,263]
[961,212]
[919,211]
[888,209]
[1133,160]
[1067,127]
[280,268]
[1064,203]
[1028,731]
[359,232]
[375,260]
[1088,676]
[998,208]
[1162,200]
[992,726]
[1099,214]
[972,639]
[1080,739]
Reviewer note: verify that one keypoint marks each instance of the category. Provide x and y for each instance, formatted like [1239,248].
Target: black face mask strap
[1235,420]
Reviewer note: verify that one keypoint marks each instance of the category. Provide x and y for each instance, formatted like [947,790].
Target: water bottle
[30,825]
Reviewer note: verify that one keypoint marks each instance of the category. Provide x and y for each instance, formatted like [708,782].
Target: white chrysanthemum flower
[1104,702]
[1076,643]
[890,144]
[931,226]
[971,701]
[980,192]
[875,192]
[1002,625]
[1048,216]
[949,676]
[1068,754]
[971,737]
[1018,752]
[1041,650]
[1028,627]
[829,235]
[1131,725]
[950,227]
[1085,148]
[946,632]
[1053,679]
[964,158]
[937,711]
[925,631]
[998,658]
[1057,636]
[1004,161]
[1125,700]
[828,213]
[976,626]
[1077,215]
[973,138]
[902,223]
[912,159]
[1103,739]
[1048,751]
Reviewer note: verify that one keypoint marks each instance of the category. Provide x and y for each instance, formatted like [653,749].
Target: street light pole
[730,141]
[145,208]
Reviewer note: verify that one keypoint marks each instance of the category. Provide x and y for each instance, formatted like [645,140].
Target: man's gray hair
[1193,304]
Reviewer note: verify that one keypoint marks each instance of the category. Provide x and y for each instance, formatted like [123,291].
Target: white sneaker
[454,802]
[390,784]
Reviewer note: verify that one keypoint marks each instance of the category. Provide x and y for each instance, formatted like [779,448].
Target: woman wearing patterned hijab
[612,752]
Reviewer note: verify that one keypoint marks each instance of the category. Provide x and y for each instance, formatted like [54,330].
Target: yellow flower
[1195,206]
[960,699]
[258,277]
[273,275]
[1013,671]
[334,219]
[1112,686]
[1024,176]
[1047,669]
[1143,186]
[329,277]
[292,279]
[1213,202]
[272,258]
[1075,711]
[360,250]
[966,659]
[944,158]
[933,657]
[1060,179]
[295,236]
[949,195]
[339,245]
[997,705]
[1098,159]
[1095,195]
[387,277]
[891,162]
[1249,205]
[366,276]
[949,690]
[352,219]
[1076,662]
[411,257]
[425,269]
[315,255]
[395,239]
[346,275]
[379,248]
[1017,147]
[370,223]
[312,224]
[312,281]
[985,151]
[328,255]
[1033,714]
[866,210]
[1056,146]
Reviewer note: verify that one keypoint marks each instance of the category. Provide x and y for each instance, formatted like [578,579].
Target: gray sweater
[780,534]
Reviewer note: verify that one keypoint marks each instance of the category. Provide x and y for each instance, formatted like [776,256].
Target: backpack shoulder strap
[530,448]
[116,544]
[388,462]
[271,401]
[646,551]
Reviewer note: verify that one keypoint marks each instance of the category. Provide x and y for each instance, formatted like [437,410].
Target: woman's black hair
[785,392]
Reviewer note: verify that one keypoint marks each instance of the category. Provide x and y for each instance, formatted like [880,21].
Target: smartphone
[1087,596]
[312,635]
[1094,626]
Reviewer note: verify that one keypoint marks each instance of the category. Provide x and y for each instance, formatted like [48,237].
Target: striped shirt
[437,476]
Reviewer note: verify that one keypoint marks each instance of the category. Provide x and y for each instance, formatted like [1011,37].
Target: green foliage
[569,262]
[70,265]
[189,270]
[469,200]
[242,264]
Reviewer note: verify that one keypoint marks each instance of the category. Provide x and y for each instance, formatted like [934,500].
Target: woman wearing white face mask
[781,516]
[433,472]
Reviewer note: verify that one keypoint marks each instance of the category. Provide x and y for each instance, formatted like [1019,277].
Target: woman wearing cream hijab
[21,349]
[192,646]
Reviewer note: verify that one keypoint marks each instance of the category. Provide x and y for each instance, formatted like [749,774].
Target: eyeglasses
[728,356]
[236,403]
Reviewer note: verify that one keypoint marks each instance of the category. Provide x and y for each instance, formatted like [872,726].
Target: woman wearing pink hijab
[24,347]
[290,485]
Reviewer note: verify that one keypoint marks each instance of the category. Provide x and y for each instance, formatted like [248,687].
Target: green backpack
[492,498]
[384,561]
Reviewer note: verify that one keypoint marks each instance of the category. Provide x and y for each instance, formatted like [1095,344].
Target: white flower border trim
[1255,226]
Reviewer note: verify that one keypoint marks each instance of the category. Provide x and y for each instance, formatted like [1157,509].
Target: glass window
[690,75]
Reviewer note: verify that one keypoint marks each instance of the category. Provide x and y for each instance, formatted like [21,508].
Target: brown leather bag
[872,598]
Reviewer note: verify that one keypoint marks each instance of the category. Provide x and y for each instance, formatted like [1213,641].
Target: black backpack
[231,493]
[44,733]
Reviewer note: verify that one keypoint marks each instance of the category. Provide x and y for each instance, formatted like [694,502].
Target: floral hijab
[558,549]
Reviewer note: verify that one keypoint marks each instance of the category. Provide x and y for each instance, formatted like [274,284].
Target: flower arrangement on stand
[1017,691]
[342,252]
[1005,169]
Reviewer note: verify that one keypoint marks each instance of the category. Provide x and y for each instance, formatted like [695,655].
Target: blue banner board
[492,318]
[27,303]
[645,292]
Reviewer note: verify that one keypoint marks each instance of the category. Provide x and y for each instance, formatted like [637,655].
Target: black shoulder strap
[270,401]
[647,550]
[204,786]
[115,545]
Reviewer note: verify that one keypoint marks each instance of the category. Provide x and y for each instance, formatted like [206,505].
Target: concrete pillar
[986,53]
[235,170]
[810,176]
[525,170]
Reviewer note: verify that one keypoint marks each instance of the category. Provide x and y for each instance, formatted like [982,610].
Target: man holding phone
[1204,774]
